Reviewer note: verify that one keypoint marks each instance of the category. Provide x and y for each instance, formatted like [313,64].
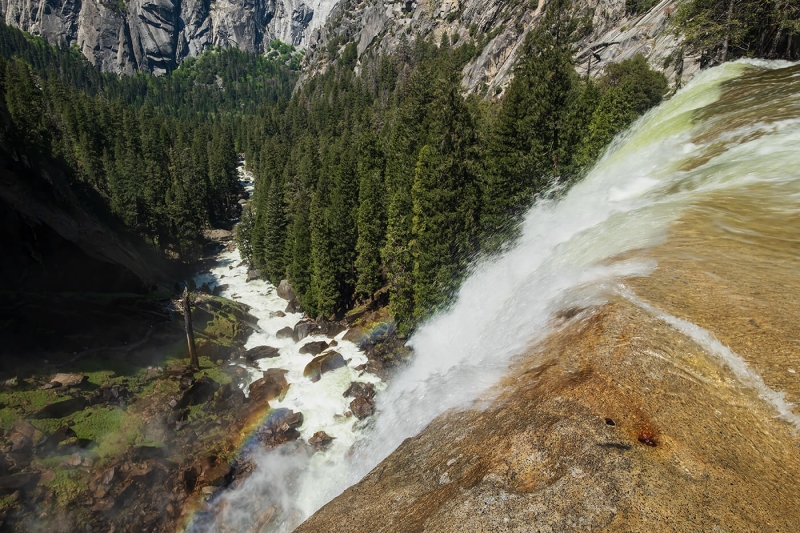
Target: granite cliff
[157,35]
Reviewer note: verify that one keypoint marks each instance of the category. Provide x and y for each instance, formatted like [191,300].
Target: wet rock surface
[314,347]
[362,407]
[543,454]
[321,364]
[272,385]
[261,352]
[320,440]
[358,389]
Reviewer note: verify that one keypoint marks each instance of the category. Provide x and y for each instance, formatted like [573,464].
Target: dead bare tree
[194,362]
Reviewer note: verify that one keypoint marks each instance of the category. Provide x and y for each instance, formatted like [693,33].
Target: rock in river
[362,407]
[358,389]
[261,352]
[272,385]
[285,333]
[321,364]
[314,347]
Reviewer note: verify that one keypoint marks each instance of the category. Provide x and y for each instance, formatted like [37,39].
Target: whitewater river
[286,479]
[726,143]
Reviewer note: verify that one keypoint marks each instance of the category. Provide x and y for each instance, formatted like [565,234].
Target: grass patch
[67,486]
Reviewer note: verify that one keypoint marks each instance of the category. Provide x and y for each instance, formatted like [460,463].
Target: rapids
[704,189]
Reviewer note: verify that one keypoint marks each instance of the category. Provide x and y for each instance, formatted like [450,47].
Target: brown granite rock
[321,364]
[362,407]
[272,385]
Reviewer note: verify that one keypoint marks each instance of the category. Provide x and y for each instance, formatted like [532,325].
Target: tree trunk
[194,362]
[727,42]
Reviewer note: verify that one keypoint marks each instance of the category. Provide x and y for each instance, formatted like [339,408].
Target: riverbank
[115,431]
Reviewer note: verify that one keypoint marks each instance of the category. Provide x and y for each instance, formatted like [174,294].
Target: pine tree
[371,216]
[445,199]
[526,149]
[404,145]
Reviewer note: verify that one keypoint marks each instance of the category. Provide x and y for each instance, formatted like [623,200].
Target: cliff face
[616,35]
[156,35]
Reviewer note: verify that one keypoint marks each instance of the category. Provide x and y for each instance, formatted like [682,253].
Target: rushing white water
[568,255]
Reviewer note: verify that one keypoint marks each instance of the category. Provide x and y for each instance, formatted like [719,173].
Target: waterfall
[733,127]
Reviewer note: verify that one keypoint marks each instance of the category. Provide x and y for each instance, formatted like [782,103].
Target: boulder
[328,328]
[321,364]
[281,426]
[277,314]
[261,352]
[303,329]
[320,440]
[251,275]
[358,389]
[67,380]
[214,350]
[272,385]
[219,288]
[286,291]
[23,436]
[201,391]
[293,307]
[285,333]
[314,347]
[362,407]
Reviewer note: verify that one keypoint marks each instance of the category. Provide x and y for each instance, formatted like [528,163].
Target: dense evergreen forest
[377,175]
[391,178]
[156,156]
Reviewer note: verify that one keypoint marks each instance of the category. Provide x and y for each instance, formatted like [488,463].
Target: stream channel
[287,480]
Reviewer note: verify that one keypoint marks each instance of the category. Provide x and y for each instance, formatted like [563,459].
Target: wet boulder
[280,427]
[320,440]
[358,389]
[321,364]
[277,314]
[293,307]
[328,328]
[362,407]
[286,291]
[285,333]
[303,329]
[314,347]
[273,385]
[261,352]
[251,275]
